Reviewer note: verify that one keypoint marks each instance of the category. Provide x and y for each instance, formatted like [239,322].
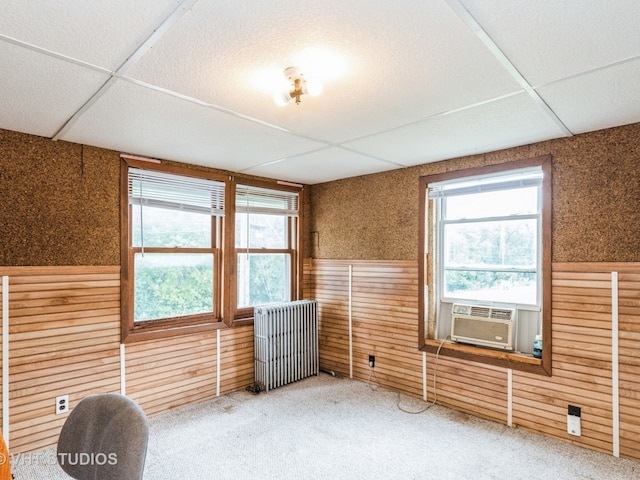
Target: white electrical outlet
[62,404]
[573,425]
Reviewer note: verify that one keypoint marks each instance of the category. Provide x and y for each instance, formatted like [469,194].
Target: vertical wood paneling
[581,336]
[385,324]
[64,337]
[471,387]
[171,372]
[629,362]
[329,285]
[236,357]
[384,311]
[2,372]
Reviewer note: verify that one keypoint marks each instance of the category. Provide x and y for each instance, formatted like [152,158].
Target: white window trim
[487,183]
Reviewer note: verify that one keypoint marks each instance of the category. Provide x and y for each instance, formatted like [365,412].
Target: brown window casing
[426,267]
[243,316]
[130,331]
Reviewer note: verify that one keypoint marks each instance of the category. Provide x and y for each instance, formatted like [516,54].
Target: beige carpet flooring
[334,428]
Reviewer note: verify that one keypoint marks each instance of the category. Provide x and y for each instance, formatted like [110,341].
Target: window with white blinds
[183,247]
[176,192]
[266,229]
[174,257]
[251,199]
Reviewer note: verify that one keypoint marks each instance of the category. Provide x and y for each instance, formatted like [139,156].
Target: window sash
[244,276]
[530,177]
[486,183]
[251,199]
[176,192]
[163,283]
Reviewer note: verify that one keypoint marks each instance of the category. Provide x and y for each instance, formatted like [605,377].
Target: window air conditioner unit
[483,325]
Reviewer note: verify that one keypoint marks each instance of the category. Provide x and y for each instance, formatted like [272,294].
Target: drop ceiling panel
[516,120]
[38,93]
[390,63]
[102,33]
[141,121]
[322,166]
[602,99]
[551,39]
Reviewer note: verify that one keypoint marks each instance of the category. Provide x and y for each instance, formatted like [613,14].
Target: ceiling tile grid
[95,32]
[136,118]
[508,122]
[600,99]
[549,39]
[38,92]
[322,165]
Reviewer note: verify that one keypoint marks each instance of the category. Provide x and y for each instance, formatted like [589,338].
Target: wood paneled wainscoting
[371,307]
[64,338]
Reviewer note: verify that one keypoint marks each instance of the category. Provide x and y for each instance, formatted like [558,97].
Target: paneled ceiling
[405,82]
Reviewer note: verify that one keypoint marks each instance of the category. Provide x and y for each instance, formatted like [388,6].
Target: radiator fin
[286,343]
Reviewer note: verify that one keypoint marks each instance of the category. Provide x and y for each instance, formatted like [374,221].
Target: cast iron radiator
[285,343]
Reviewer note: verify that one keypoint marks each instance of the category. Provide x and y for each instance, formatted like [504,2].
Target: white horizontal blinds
[176,192]
[521,179]
[251,199]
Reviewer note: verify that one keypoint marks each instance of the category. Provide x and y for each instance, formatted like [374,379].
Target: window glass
[489,242]
[263,278]
[172,285]
[161,227]
[482,285]
[261,231]
[495,204]
[494,244]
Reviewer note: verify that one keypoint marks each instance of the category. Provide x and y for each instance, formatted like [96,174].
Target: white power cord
[435,394]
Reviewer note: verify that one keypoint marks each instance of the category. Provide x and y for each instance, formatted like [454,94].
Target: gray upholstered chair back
[104,437]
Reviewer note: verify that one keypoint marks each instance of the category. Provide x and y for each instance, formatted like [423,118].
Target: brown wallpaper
[59,203]
[596,202]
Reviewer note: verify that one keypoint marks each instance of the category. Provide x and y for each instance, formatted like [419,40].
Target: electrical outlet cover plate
[573,425]
[62,404]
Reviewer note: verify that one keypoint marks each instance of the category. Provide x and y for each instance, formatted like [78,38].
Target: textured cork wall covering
[596,200]
[59,203]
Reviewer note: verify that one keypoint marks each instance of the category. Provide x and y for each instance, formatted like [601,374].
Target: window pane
[170,228]
[508,287]
[262,231]
[172,285]
[263,278]
[510,243]
[502,203]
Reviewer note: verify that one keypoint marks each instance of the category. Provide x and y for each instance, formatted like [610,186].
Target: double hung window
[199,251]
[489,236]
[485,240]
[173,255]
[266,230]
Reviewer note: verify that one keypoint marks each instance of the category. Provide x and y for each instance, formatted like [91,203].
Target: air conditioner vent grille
[501,314]
[480,311]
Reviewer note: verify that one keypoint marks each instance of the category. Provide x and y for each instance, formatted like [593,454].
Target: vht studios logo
[87,458]
[51,458]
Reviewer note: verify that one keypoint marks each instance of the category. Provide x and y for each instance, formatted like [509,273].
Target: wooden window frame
[425,267]
[244,316]
[131,332]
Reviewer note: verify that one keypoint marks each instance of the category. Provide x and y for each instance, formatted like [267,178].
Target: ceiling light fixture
[296,86]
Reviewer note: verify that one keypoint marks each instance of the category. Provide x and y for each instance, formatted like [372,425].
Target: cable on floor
[435,392]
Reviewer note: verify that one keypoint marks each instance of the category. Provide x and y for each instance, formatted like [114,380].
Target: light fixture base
[298,86]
